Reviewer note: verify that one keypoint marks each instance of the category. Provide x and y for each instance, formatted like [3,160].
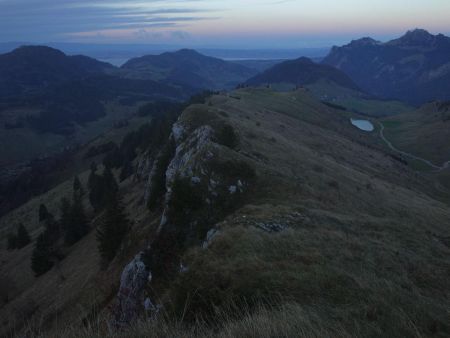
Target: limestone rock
[134,278]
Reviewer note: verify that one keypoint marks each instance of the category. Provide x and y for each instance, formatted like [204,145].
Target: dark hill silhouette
[188,67]
[34,68]
[302,71]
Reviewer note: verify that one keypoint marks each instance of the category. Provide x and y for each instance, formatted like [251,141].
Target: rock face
[135,277]
[191,151]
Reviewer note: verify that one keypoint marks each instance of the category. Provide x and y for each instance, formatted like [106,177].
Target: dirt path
[446,165]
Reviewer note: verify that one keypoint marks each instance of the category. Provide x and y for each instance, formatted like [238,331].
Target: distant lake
[364,125]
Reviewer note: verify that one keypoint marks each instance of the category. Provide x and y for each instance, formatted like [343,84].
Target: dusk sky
[231,23]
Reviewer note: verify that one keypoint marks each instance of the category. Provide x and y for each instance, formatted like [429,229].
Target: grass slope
[363,249]
[424,132]
[357,101]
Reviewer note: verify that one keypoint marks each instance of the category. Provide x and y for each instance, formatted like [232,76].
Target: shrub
[18,240]
[227,137]
[23,238]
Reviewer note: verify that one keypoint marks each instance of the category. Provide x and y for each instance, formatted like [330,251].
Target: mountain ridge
[187,66]
[300,72]
[414,68]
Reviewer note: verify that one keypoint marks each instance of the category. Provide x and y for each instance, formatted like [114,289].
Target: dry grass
[289,320]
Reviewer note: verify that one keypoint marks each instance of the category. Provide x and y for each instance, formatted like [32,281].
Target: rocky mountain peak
[416,37]
[366,41]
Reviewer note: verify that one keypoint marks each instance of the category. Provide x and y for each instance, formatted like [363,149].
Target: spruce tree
[12,241]
[95,186]
[77,187]
[109,186]
[41,258]
[23,238]
[43,213]
[77,225]
[113,229]
[65,208]
[52,228]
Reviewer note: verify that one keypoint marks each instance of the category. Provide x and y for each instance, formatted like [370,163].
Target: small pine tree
[52,228]
[158,184]
[65,208]
[111,233]
[23,238]
[77,225]
[95,186]
[110,186]
[77,186]
[12,241]
[41,258]
[101,188]
[43,213]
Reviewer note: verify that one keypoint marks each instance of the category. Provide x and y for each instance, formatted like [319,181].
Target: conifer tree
[41,258]
[114,228]
[95,186]
[23,238]
[43,213]
[101,187]
[77,225]
[12,241]
[77,186]
[109,185]
[65,208]
[52,228]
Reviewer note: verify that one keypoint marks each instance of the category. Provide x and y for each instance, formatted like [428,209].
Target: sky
[218,23]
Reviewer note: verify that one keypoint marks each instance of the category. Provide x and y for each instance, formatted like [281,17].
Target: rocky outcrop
[135,277]
[210,236]
[191,153]
[216,179]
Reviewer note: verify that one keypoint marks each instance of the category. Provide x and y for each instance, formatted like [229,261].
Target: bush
[23,238]
[19,240]
[227,137]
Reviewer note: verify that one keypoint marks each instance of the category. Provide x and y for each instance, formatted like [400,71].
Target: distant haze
[239,24]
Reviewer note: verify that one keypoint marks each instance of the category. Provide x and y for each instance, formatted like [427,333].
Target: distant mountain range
[188,67]
[414,68]
[66,89]
[301,72]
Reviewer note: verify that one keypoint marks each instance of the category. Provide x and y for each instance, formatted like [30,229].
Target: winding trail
[445,166]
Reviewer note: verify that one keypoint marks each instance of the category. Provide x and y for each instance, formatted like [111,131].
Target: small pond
[364,125]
